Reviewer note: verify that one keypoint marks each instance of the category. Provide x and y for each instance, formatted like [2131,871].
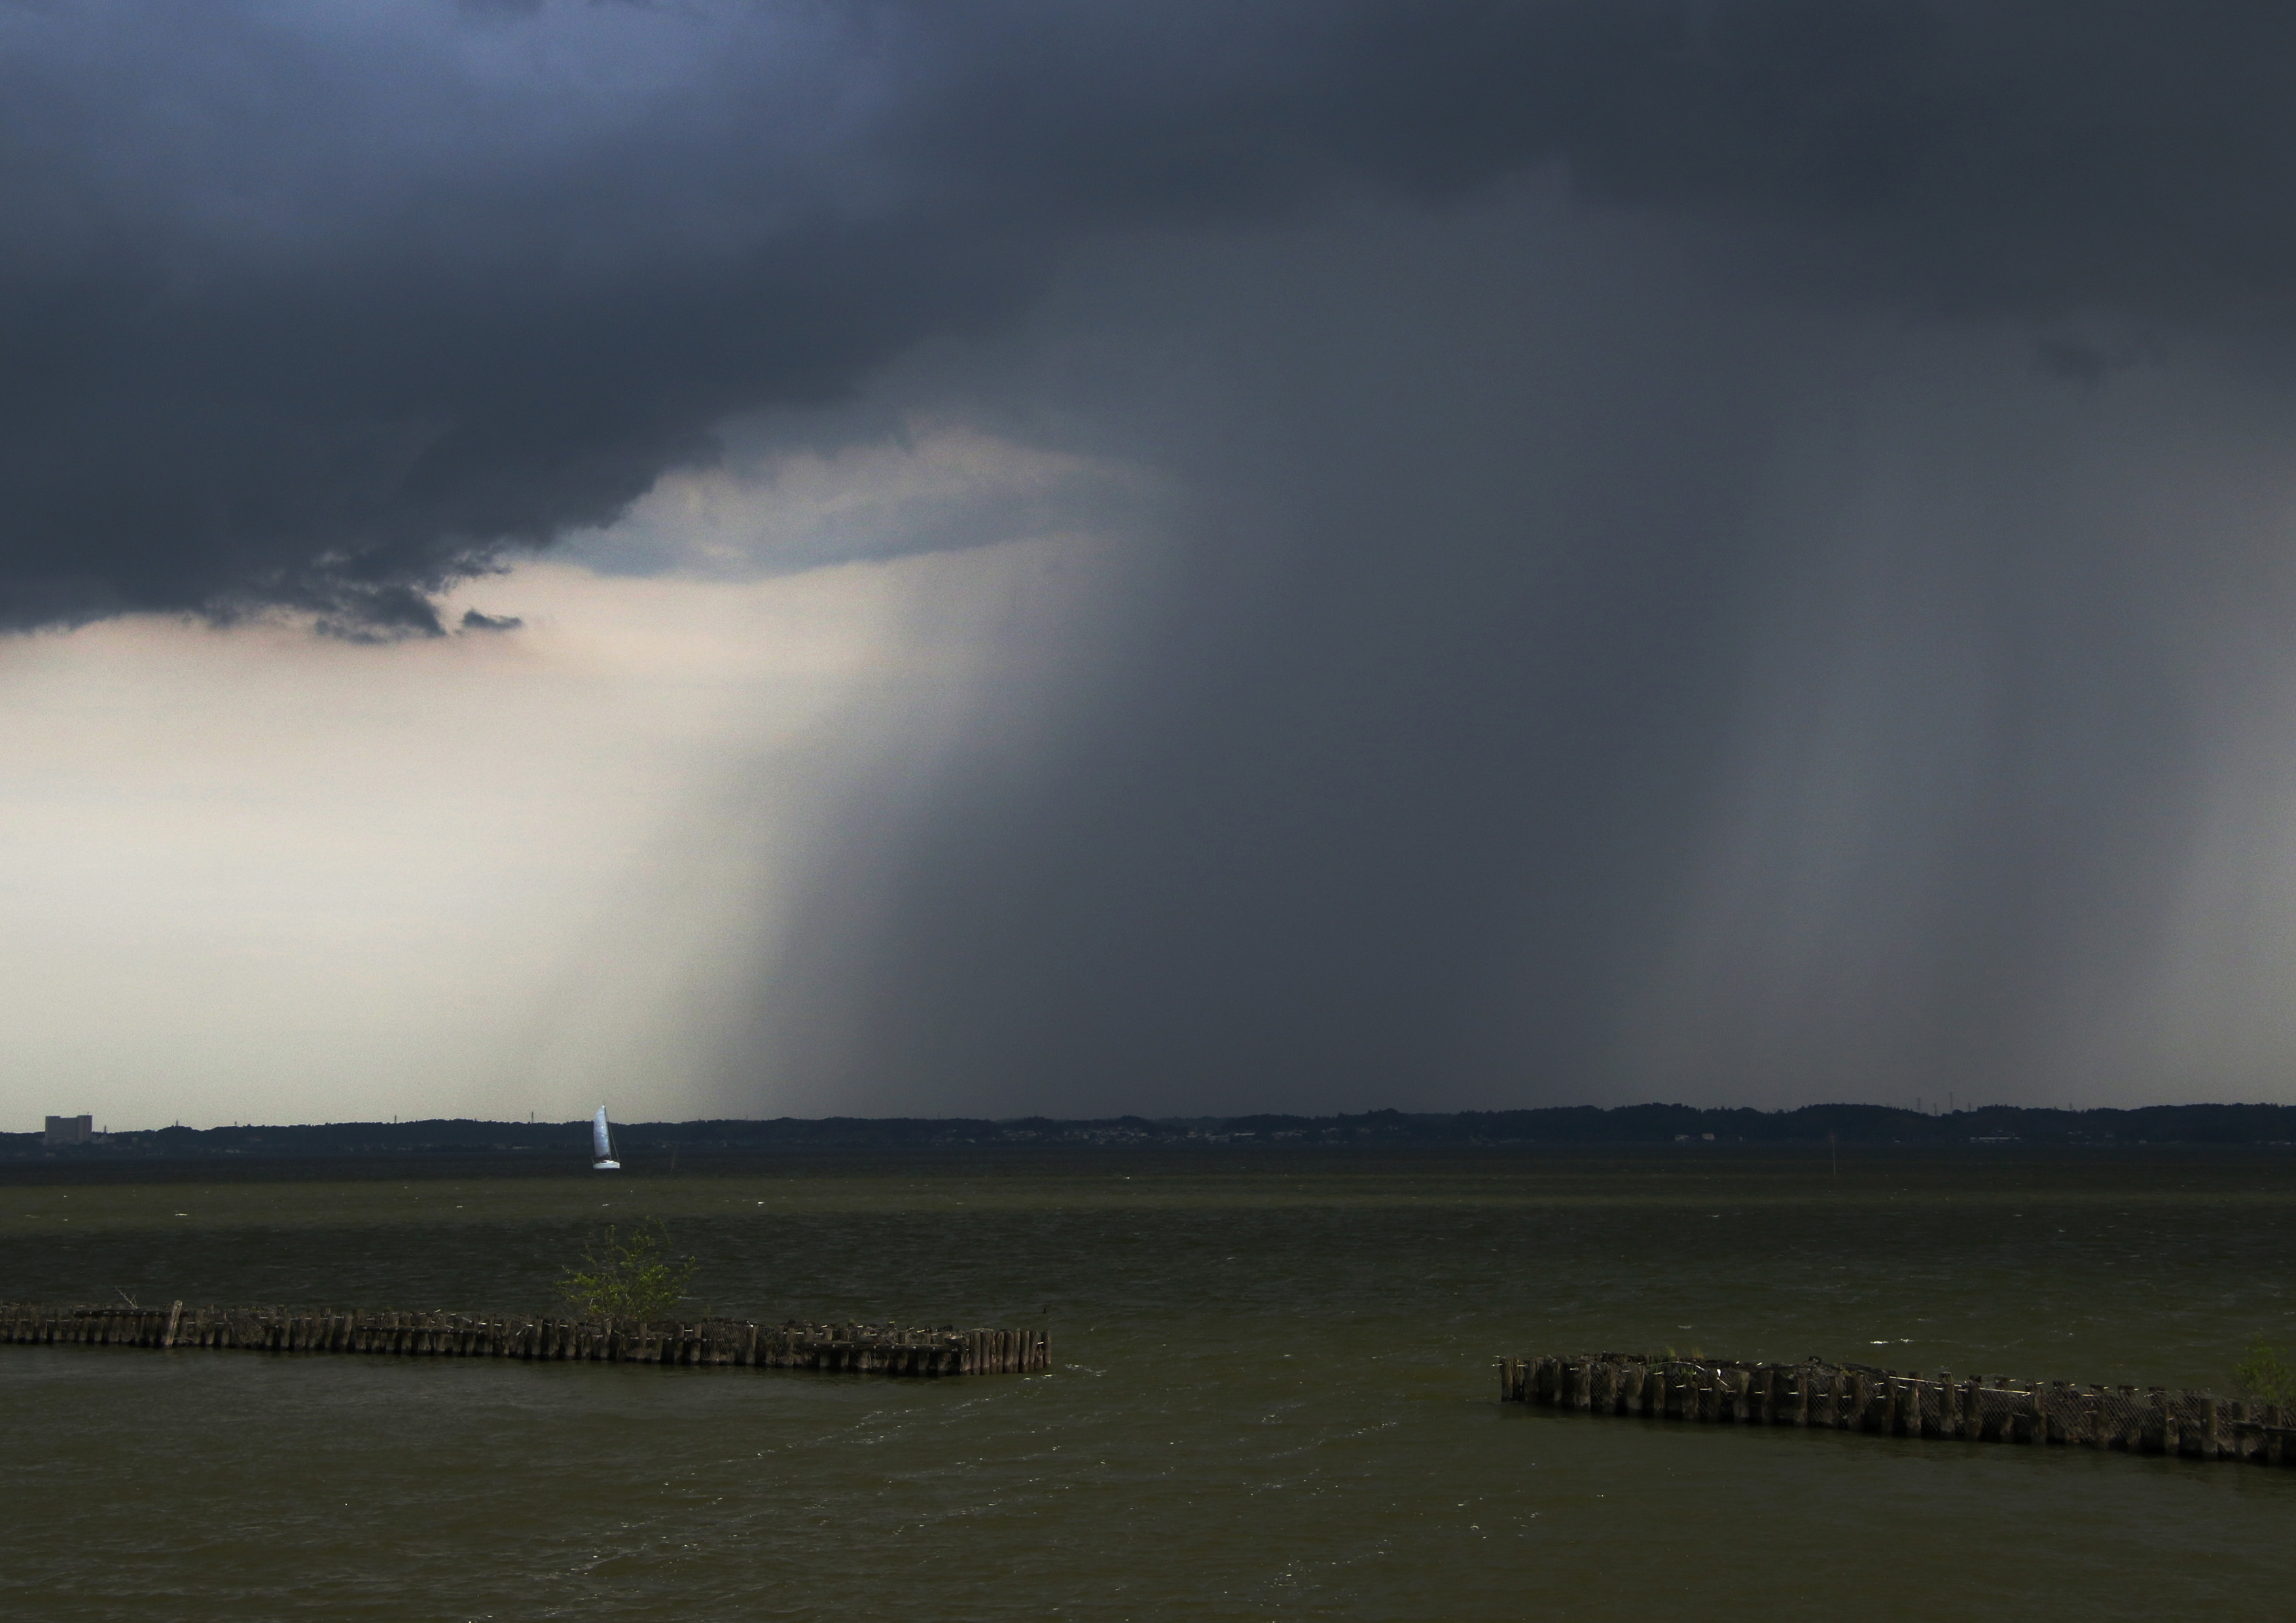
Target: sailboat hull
[605,1165]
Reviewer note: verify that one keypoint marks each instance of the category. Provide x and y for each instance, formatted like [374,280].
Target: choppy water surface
[1274,1396]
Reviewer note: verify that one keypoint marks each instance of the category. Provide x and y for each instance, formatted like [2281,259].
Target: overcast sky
[1005,555]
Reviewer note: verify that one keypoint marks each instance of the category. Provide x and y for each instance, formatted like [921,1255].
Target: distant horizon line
[2222,1123]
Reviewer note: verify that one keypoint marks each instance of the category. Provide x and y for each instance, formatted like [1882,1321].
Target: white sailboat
[602,1145]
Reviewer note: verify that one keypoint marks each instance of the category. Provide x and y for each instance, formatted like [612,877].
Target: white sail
[602,1145]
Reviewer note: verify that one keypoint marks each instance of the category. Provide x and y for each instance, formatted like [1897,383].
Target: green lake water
[1272,1395]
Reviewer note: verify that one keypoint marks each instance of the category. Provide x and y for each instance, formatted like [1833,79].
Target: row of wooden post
[865,1348]
[1859,1398]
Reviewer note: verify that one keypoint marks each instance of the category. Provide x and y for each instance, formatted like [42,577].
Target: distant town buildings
[70,1130]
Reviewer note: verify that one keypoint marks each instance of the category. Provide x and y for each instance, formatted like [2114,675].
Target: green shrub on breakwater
[2266,1374]
[633,1279]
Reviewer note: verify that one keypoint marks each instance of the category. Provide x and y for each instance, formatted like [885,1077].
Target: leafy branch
[2266,1374]
[635,1279]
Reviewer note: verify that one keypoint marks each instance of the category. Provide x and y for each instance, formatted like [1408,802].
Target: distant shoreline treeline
[1638,1124]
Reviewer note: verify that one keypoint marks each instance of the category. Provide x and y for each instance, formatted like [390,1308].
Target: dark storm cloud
[325,307]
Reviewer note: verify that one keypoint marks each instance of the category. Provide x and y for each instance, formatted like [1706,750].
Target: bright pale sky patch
[260,874]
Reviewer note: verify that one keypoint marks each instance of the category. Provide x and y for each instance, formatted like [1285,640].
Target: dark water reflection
[1273,1397]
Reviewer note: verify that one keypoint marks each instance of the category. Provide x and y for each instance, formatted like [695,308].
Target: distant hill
[1638,1124]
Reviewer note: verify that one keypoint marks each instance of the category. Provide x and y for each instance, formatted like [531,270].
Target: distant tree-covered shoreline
[1638,1124]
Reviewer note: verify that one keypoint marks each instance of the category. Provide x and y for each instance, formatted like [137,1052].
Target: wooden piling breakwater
[858,1348]
[1861,1398]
